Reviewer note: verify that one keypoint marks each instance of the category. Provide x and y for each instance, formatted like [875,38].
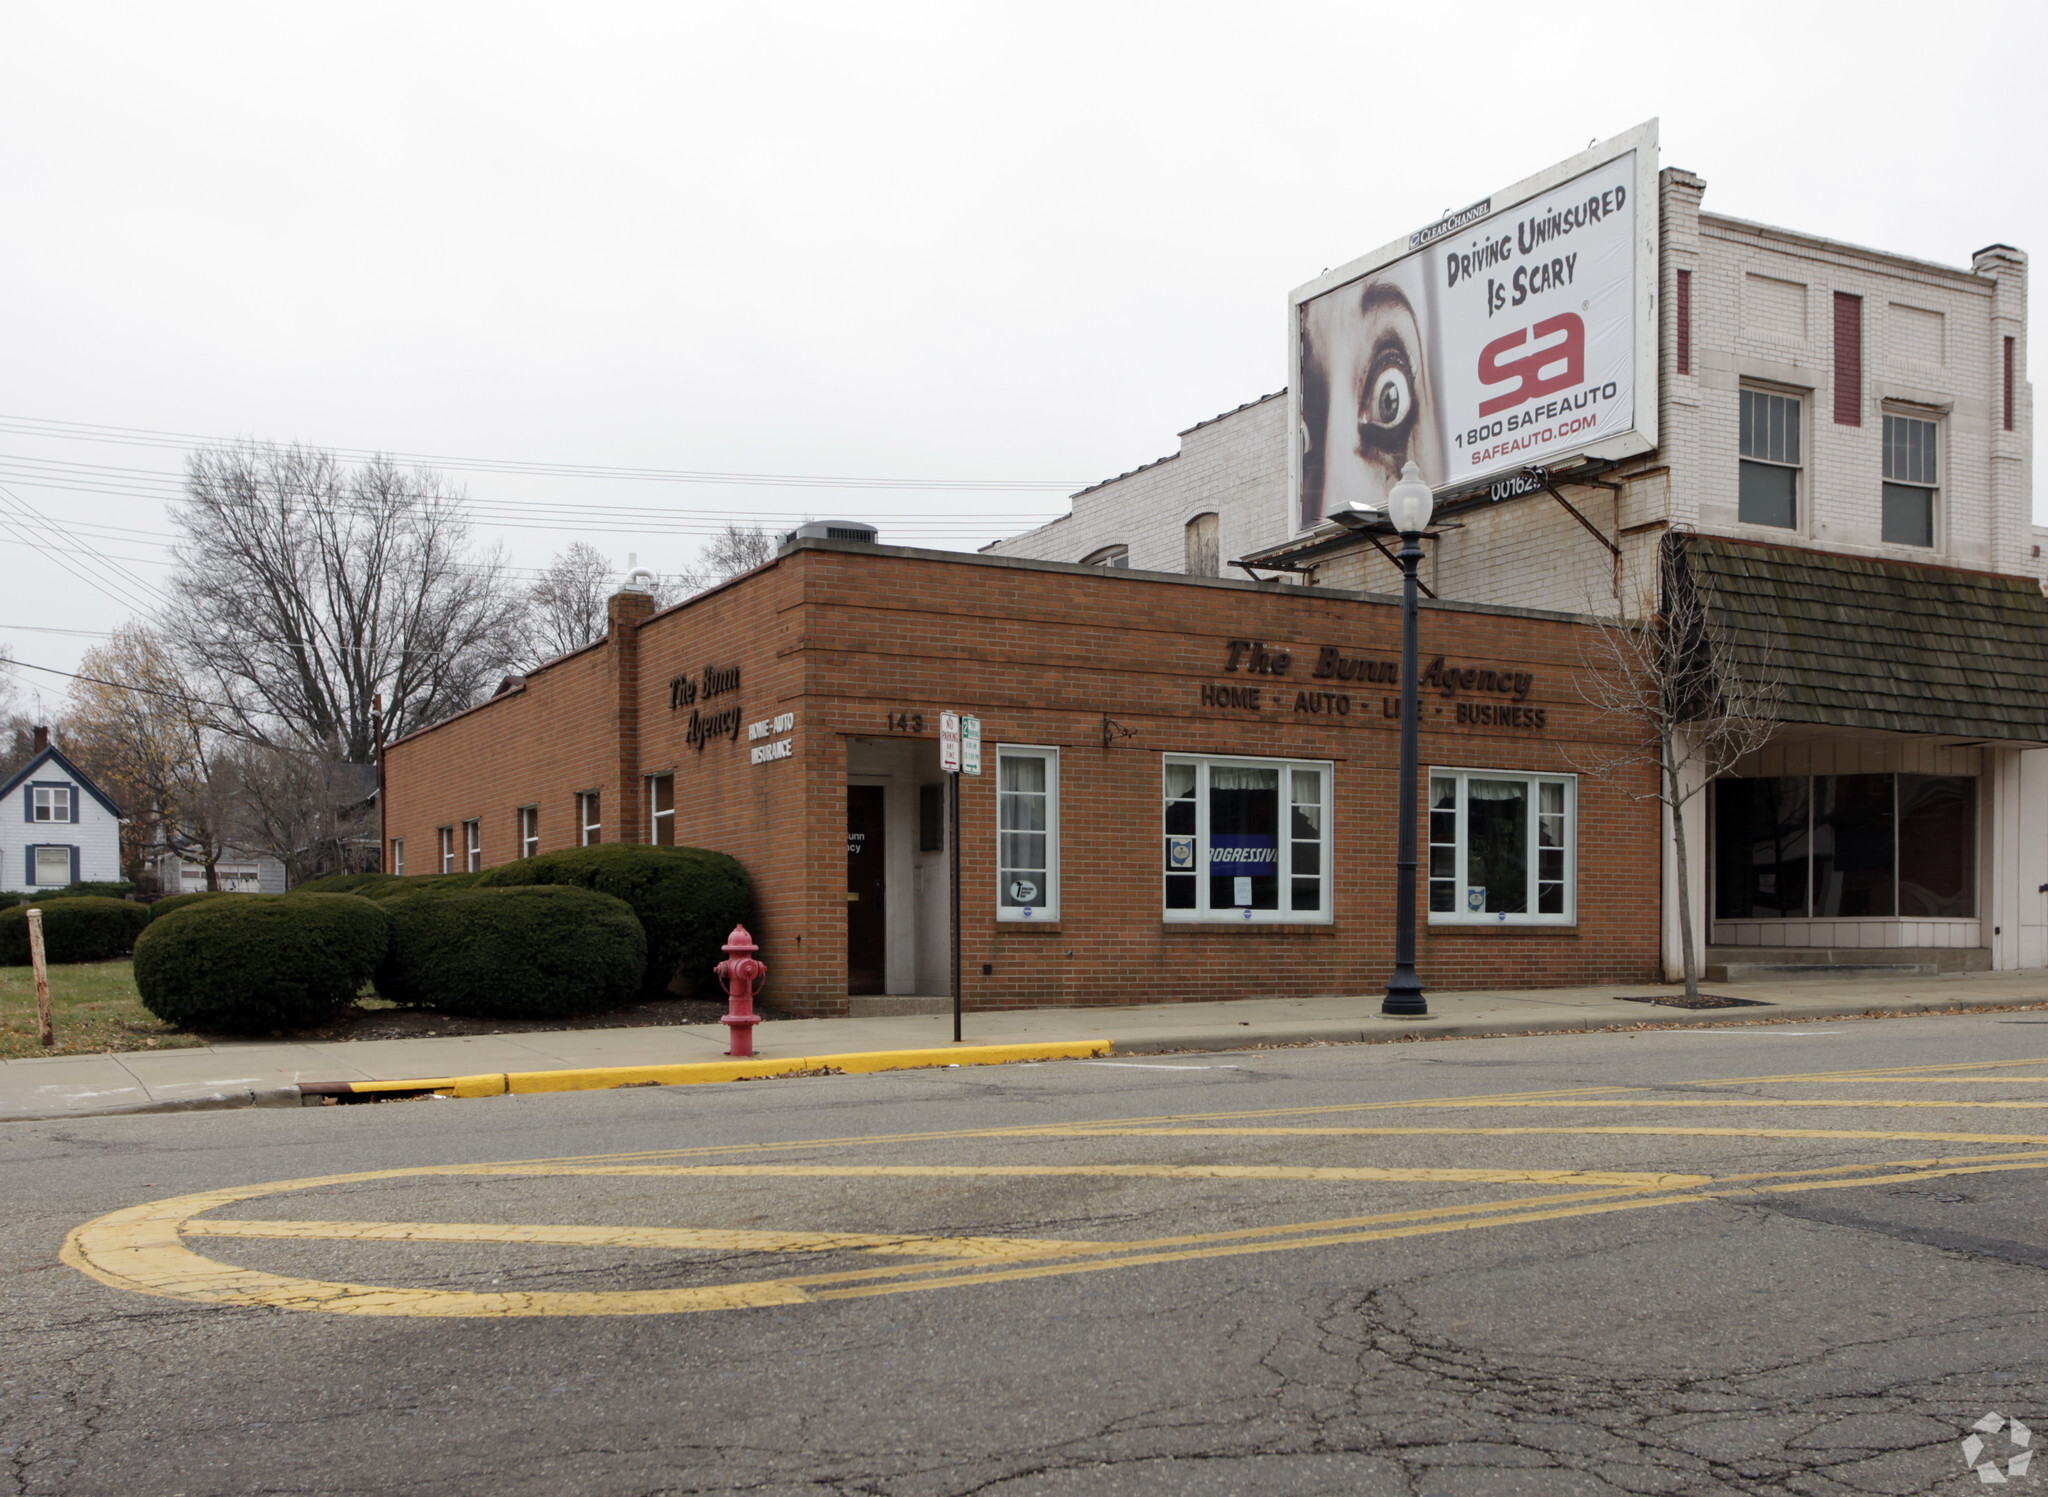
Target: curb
[602,1078]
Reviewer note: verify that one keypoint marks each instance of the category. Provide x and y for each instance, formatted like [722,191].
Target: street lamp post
[1409,505]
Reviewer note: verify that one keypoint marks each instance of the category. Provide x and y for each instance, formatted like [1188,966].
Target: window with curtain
[1246,840]
[1501,848]
[1027,832]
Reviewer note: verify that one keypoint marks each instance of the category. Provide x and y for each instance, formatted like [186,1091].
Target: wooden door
[867,939]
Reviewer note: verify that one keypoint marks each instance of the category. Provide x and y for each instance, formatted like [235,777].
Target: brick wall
[849,637]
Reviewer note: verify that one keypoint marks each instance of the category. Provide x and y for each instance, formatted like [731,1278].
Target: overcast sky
[1001,243]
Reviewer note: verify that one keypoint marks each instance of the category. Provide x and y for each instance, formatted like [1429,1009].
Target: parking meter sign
[949,742]
[970,745]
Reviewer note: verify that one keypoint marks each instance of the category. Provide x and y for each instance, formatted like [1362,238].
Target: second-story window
[1908,481]
[1770,460]
[1108,556]
[473,846]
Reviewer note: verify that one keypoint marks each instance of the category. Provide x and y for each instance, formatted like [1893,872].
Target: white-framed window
[589,825]
[661,805]
[1503,847]
[52,866]
[473,846]
[398,856]
[50,802]
[1768,493]
[447,849]
[1247,840]
[529,831]
[1027,832]
[1118,555]
[1909,480]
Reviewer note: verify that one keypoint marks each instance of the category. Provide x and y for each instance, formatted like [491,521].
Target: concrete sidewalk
[263,1074]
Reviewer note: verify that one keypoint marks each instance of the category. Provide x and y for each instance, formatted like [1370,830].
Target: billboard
[1510,334]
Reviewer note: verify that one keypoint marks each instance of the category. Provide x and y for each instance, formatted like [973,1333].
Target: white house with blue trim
[56,826]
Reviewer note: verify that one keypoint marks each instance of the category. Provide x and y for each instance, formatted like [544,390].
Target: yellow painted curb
[600,1078]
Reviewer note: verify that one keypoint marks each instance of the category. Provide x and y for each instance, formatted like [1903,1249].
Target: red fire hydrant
[742,975]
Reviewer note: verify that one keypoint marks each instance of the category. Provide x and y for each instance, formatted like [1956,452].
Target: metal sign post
[959,753]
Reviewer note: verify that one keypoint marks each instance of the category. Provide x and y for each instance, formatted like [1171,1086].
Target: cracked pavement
[1660,1262]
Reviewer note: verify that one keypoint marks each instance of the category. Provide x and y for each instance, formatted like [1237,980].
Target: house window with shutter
[50,803]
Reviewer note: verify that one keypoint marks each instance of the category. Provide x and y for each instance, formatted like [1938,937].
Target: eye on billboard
[1510,334]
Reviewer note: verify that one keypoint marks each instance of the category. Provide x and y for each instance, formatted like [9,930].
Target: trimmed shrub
[688,900]
[74,930]
[520,953]
[9,898]
[388,885]
[164,907]
[259,961]
[115,889]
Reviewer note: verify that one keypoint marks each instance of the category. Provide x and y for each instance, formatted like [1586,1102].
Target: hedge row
[555,936]
[259,961]
[74,930]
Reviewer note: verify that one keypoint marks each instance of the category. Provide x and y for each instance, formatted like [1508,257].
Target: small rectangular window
[529,831]
[662,804]
[590,826]
[473,846]
[1909,481]
[447,849]
[1246,840]
[53,867]
[1769,488]
[398,856]
[1027,833]
[51,802]
[1501,848]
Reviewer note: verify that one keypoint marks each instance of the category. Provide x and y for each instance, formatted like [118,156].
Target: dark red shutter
[1848,359]
[2008,384]
[1684,330]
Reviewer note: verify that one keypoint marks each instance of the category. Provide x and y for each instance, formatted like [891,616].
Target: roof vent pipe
[639,579]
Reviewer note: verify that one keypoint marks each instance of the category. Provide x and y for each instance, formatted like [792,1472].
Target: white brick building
[1845,349]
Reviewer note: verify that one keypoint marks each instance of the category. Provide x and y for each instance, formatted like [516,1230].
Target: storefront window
[1845,847]
[1027,833]
[1500,848]
[1246,839]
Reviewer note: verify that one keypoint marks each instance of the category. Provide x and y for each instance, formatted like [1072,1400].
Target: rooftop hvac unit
[832,530]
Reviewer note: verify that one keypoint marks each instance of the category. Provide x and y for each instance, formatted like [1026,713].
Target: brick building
[1844,447]
[1187,794]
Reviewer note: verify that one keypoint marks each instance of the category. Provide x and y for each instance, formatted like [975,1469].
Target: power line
[136,436]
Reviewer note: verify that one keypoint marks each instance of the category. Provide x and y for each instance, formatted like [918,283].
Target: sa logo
[1545,368]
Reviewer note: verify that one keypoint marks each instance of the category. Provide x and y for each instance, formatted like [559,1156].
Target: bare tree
[736,549]
[307,588]
[565,609]
[308,810]
[1677,697]
[134,727]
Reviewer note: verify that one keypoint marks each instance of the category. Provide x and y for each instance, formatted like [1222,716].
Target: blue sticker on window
[1244,857]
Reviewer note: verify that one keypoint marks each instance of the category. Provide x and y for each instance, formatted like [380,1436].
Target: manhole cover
[1705,1000]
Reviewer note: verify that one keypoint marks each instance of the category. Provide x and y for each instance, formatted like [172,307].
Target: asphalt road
[1773,1259]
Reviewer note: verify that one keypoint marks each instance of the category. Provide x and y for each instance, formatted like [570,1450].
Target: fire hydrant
[742,975]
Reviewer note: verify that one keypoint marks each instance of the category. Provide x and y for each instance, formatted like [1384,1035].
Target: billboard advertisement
[1514,333]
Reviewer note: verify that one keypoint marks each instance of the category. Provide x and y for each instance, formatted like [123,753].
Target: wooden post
[42,970]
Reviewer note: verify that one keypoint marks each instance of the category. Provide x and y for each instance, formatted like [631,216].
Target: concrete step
[1812,971]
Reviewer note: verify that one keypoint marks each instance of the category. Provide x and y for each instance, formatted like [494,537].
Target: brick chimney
[42,739]
[627,609]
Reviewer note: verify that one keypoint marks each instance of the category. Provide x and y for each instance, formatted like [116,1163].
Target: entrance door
[866,923]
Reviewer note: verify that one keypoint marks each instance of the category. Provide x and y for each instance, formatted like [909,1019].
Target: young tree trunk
[1676,800]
